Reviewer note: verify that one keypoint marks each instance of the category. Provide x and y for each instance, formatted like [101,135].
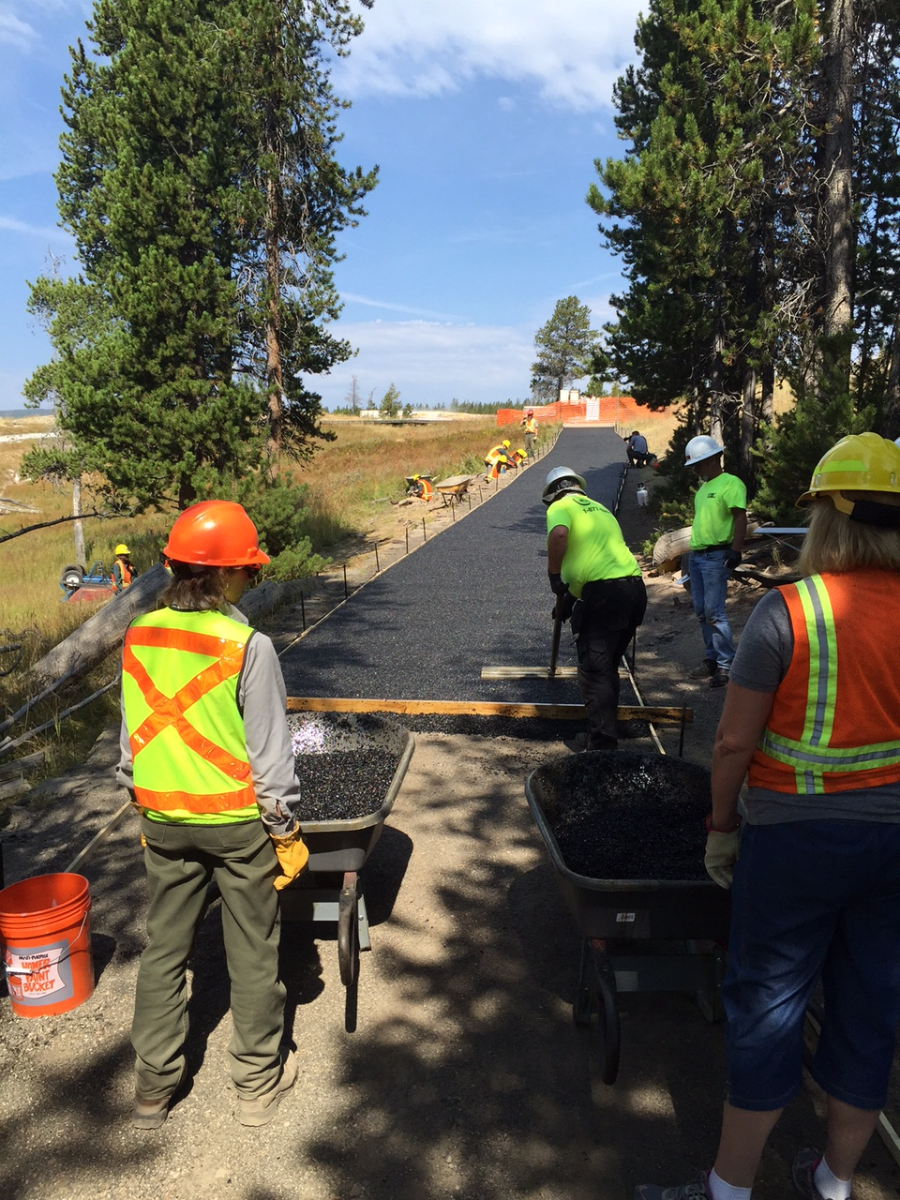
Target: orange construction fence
[611,409]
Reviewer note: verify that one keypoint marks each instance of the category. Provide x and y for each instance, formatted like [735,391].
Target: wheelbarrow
[453,488]
[340,759]
[625,834]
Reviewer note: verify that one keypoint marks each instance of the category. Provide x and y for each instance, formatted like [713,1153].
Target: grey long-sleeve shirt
[261,698]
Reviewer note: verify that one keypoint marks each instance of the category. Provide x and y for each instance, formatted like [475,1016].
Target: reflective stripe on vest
[820,683]
[179,678]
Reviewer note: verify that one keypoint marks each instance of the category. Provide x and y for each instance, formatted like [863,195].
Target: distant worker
[123,572]
[420,487]
[529,424]
[519,457]
[717,535]
[637,450]
[497,459]
[205,752]
[597,579]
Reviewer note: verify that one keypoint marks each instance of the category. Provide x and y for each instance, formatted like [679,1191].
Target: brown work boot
[259,1110]
[707,667]
[150,1114]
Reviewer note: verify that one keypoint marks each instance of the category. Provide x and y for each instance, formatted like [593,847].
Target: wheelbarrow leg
[348,930]
[597,993]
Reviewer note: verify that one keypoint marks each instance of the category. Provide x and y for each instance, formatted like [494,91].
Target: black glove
[732,559]
[557,587]
[563,606]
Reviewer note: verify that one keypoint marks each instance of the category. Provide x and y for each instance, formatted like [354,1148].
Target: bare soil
[457,1071]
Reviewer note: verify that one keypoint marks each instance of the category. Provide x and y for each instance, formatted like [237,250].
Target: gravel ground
[458,1071]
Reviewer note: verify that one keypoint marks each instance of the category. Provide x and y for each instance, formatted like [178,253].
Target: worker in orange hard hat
[529,424]
[123,572]
[206,756]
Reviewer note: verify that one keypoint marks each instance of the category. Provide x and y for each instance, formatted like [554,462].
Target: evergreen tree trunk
[890,423]
[716,392]
[748,420]
[77,525]
[767,398]
[837,164]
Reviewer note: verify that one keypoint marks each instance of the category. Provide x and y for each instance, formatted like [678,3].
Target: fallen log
[101,634]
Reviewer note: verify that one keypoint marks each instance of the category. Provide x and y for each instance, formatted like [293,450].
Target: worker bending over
[206,755]
[717,535]
[123,572]
[420,487]
[497,460]
[637,450]
[596,578]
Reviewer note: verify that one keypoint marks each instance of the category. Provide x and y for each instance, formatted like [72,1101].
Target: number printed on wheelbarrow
[625,918]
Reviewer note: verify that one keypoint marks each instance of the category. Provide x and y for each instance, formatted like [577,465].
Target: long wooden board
[555,712]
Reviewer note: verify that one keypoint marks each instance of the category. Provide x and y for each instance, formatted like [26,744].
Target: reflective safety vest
[835,720]
[530,425]
[180,674]
[125,573]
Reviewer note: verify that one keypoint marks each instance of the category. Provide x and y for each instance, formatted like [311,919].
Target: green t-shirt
[713,518]
[596,548]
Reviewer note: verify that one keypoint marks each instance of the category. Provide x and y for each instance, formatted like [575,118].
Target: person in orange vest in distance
[205,752]
[811,846]
[420,487]
[529,424]
[123,572]
[497,459]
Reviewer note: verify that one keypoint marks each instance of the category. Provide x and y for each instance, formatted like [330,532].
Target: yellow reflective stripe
[857,758]
[822,683]
[183,816]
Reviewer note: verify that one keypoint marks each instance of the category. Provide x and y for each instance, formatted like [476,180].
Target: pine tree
[565,346]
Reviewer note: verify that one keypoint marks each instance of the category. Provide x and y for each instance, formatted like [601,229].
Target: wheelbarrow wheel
[348,934]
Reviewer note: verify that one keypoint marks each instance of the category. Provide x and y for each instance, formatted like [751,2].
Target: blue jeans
[709,588]
[814,898]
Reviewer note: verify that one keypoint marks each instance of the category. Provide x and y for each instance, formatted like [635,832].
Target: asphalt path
[475,596]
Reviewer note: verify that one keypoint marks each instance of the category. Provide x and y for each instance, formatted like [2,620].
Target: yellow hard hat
[506,444]
[861,462]
[122,549]
[522,452]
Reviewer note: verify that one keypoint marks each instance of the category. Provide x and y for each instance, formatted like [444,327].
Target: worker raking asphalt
[476,596]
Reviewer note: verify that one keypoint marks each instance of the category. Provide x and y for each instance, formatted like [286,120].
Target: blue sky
[484,117]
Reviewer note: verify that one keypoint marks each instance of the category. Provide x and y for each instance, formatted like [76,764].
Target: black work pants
[604,623]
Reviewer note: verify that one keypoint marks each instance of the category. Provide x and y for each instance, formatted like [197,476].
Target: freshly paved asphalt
[475,596]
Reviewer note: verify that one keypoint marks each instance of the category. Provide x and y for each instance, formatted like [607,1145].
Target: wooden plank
[555,712]
[528,673]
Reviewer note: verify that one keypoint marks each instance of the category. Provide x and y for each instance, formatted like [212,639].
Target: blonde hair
[835,543]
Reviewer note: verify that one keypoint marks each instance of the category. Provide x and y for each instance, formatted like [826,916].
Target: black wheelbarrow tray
[330,889]
[640,934]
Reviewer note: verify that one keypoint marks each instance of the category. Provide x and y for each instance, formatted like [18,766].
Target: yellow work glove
[721,854]
[292,856]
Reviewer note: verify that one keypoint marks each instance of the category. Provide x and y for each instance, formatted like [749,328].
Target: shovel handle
[557,630]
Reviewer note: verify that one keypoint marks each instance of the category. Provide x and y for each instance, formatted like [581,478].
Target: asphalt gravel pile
[343,786]
[624,815]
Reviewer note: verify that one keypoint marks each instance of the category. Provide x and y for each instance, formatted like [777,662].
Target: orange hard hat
[215,533]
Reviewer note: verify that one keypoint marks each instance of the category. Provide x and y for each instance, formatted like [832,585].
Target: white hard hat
[700,448]
[555,484]
[897,441]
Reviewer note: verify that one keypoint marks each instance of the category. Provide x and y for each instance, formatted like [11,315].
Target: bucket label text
[37,974]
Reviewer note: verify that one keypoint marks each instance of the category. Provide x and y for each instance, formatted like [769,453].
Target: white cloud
[15,32]
[47,232]
[573,52]
[432,362]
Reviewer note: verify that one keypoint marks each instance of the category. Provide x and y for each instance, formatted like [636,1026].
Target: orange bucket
[45,943]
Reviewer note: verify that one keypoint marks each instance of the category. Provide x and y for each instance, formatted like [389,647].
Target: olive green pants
[180,861]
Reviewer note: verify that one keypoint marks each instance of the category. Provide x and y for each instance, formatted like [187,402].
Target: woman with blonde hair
[812,719]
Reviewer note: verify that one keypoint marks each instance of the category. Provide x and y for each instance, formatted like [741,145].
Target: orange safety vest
[126,571]
[426,490]
[835,720]
[180,673]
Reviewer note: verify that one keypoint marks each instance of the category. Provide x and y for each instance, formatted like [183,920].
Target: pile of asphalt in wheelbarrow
[626,815]
[342,785]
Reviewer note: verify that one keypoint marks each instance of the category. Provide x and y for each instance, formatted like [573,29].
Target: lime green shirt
[713,516]
[596,548]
